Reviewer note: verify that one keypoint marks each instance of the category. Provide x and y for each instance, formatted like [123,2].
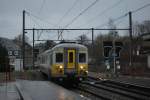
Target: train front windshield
[59,57]
[82,57]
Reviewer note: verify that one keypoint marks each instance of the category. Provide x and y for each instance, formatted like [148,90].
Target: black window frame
[107,50]
[59,60]
[84,59]
[70,57]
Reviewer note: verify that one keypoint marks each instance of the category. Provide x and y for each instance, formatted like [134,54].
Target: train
[65,61]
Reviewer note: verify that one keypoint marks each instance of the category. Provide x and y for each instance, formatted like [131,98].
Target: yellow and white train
[65,61]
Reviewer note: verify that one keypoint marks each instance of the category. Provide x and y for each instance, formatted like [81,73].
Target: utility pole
[33,48]
[114,55]
[58,35]
[23,40]
[130,32]
[93,37]
[92,41]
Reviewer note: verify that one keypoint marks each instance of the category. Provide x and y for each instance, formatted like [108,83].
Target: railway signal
[107,45]
[112,54]
[108,49]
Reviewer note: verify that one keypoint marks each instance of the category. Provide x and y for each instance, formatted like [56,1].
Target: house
[14,53]
[145,48]
[28,61]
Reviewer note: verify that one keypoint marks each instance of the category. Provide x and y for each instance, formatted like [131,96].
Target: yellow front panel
[56,70]
[71,59]
[83,70]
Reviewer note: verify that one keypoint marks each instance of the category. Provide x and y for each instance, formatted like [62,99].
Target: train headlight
[118,66]
[81,67]
[86,72]
[60,67]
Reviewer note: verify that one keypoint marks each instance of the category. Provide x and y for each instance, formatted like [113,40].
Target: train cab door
[71,58]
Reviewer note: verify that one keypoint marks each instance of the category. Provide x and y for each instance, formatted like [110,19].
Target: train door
[71,58]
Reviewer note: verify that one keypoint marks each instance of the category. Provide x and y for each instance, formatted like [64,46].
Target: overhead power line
[114,20]
[133,11]
[68,11]
[42,5]
[147,5]
[120,17]
[41,19]
[81,13]
[35,22]
[103,12]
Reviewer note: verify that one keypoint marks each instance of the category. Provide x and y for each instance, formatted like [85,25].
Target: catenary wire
[116,19]
[81,13]
[103,12]
[68,11]
[136,10]
[42,5]
[45,21]
[133,11]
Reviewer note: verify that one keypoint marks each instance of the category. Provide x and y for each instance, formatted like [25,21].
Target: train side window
[50,59]
[82,57]
[42,60]
[59,57]
[39,59]
[46,59]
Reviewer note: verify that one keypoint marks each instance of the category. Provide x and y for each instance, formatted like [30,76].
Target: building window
[59,57]
[82,57]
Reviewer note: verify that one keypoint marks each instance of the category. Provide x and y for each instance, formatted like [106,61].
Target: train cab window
[82,57]
[70,57]
[59,57]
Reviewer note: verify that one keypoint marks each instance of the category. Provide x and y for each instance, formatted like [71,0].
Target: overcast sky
[51,11]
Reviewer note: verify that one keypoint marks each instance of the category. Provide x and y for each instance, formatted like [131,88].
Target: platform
[8,91]
[45,90]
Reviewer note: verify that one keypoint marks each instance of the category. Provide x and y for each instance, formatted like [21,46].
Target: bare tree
[83,39]
[19,38]
[141,28]
[111,25]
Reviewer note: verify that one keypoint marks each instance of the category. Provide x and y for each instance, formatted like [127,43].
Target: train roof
[71,45]
[63,45]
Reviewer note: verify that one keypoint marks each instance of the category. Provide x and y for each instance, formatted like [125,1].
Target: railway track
[90,90]
[141,90]
[110,90]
